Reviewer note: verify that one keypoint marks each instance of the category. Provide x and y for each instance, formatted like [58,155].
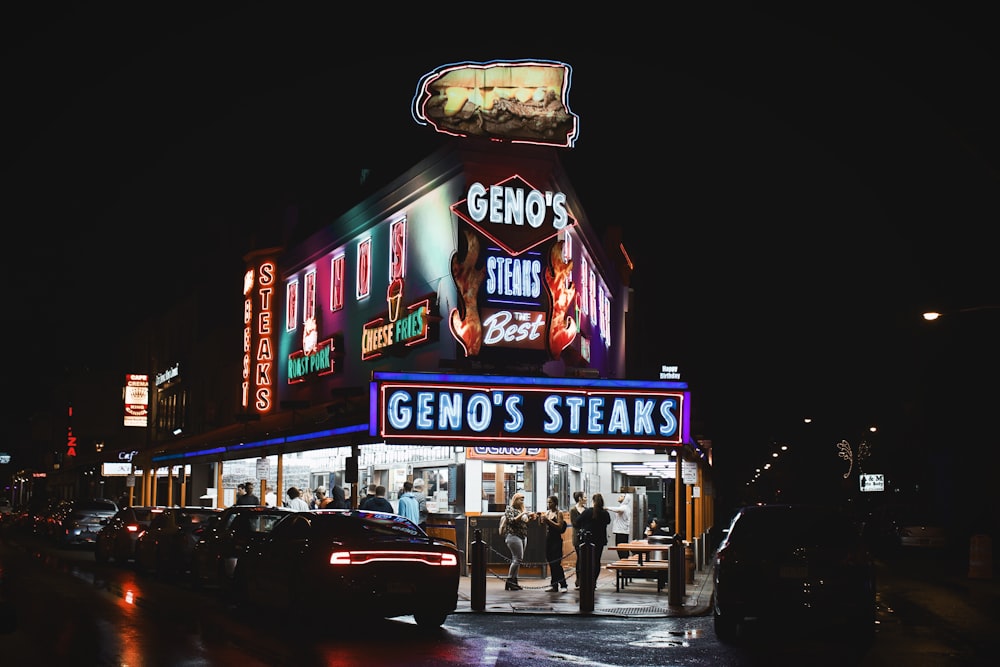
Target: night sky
[793,188]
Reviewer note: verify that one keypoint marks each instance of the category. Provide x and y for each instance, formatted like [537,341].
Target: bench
[629,568]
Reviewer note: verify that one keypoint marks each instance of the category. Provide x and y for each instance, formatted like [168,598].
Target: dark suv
[800,562]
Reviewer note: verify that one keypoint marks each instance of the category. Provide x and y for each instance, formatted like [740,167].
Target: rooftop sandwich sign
[414,407]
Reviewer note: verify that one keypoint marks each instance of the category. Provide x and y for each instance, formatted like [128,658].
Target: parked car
[377,565]
[77,522]
[795,564]
[166,546]
[226,538]
[118,534]
[893,527]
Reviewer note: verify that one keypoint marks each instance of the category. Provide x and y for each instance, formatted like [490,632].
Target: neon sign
[597,412]
[258,356]
[409,329]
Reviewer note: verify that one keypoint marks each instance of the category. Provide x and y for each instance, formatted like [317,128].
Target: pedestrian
[621,522]
[322,502]
[363,504]
[514,530]
[270,497]
[408,506]
[379,503]
[418,493]
[593,527]
[555,525]
[579,504]
[241,490]
[248,498]
[295,502]
[308,498]
[338,499]
[654,528]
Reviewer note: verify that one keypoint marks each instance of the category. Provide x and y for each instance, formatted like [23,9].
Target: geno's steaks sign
[414,407]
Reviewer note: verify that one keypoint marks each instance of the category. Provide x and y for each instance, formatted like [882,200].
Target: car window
[357,525]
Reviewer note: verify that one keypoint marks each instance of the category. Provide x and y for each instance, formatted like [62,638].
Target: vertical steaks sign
[550,412]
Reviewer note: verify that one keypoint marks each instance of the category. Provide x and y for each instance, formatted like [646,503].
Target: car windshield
[95,506]
[798,525]
[364,525]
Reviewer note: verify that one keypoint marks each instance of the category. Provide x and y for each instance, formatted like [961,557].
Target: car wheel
[726,628]
[433,618]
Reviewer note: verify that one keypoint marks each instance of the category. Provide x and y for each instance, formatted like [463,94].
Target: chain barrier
[569,572]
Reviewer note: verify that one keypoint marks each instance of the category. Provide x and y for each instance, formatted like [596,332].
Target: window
[337,282]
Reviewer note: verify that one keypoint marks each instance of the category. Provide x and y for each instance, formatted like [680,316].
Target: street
[69,609]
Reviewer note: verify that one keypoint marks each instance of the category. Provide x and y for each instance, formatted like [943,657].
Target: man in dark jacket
[248,498]
[379,503]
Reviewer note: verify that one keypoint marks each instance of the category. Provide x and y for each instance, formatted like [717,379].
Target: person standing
[295,501]
[579,504]
[338,499]
[248,498]
[595,521]
[516,520]
[321,500]
[241,490]
[555,526]
[621,522]
[379,503]
[418,493]
[363,505]
[408,506]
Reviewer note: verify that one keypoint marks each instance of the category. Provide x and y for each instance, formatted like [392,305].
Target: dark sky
[794,188]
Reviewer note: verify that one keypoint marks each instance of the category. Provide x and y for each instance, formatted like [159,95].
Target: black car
[794,563]
[378,565]
[118,534]
[226,538]
[166,546]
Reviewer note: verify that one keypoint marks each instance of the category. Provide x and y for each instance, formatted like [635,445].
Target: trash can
[658,555]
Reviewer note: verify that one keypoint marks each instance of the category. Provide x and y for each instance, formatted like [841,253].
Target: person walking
[555,525]
[379,503]
[248,498]
[322,502]
[579,504]
[593,526]
[295,501]
[621,522]
[515,532]
[338,498]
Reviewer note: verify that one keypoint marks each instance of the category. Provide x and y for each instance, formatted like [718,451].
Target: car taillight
[132,527]
[365,557]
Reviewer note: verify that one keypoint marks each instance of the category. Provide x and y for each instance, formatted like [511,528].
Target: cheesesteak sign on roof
[520,101]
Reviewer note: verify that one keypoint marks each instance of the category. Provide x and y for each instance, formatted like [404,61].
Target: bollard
[980,557]
[689,562]
[478,584]
[585,573]
[675,573]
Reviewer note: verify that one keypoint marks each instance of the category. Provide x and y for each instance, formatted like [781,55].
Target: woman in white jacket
[621,522]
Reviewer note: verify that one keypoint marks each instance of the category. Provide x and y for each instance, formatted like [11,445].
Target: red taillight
[365,557]
[132,527]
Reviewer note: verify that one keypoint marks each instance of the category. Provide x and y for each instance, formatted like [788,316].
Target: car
[226,538]
[166,546]
[895,528]
[795,564]
[77,522]
[377,564]
[118,534]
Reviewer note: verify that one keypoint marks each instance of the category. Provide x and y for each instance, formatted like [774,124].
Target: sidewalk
[637,599]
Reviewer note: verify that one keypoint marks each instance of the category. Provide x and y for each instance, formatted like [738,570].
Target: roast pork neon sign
[600,413]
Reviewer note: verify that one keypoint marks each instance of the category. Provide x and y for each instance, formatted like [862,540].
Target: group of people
[297,498]
[590,525]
